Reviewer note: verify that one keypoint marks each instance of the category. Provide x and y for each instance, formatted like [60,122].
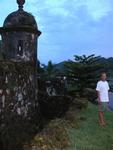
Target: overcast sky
[69,27]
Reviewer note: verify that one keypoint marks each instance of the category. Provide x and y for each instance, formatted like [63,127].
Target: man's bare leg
[101,118]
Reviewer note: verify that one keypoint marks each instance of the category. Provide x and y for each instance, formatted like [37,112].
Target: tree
[50,70]
[85,70]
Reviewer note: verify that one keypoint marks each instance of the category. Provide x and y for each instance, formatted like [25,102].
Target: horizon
[69,59]
[69,28]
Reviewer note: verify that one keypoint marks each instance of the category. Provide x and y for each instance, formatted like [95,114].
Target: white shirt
[103,88]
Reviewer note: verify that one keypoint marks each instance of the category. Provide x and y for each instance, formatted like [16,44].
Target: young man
[103,97]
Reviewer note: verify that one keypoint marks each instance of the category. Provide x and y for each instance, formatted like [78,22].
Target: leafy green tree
[85,70]
[50,70]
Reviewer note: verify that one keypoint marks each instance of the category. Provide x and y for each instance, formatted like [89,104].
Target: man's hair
[103,73]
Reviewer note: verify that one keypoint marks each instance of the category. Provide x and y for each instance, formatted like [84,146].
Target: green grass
[89,135]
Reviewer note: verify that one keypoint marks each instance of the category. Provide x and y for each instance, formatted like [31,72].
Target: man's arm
[108,90]
[98,94]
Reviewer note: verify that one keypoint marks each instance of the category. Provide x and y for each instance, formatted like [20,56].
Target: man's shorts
[104,106]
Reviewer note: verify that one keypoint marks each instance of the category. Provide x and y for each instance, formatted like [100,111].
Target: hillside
[106,62]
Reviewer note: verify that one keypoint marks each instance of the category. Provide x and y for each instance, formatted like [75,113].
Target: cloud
[73,27]
[98,8]
[95,8]
[69,27]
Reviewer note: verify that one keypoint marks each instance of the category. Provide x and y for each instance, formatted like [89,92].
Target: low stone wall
[53,106]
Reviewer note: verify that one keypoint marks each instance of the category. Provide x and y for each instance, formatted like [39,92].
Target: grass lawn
[89,135]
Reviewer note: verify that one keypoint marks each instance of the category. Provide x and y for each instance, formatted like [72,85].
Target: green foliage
[85,70]
[50,71]
[50,68]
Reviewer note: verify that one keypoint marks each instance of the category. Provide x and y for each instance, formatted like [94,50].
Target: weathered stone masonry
[18,83]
